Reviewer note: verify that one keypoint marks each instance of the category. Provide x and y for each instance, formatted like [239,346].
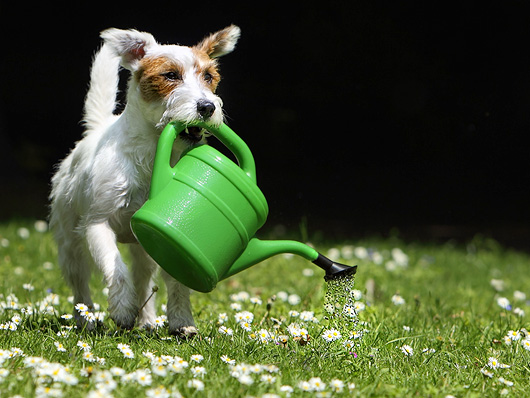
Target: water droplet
[339,303]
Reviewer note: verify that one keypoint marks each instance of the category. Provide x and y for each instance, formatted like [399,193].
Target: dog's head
[173,82]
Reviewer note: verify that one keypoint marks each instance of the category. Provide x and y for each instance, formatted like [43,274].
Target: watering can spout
[259,250]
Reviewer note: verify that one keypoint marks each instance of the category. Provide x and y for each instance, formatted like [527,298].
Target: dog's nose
[205,108]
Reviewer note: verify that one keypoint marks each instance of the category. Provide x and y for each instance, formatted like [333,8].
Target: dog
[106,177]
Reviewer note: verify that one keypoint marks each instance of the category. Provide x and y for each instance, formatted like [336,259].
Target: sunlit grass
[433,320]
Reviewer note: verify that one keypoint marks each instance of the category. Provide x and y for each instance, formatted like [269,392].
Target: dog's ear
[220,43]
[131,45]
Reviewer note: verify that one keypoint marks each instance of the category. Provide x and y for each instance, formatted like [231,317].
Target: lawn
[427,320]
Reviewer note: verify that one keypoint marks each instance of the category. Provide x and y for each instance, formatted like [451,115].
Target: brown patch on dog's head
[206,69]
[157,77]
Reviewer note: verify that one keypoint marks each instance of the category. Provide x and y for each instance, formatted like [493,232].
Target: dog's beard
[179,109]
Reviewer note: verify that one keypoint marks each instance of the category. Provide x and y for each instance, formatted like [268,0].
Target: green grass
[450,311]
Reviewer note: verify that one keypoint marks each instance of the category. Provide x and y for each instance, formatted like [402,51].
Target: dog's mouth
[194,134]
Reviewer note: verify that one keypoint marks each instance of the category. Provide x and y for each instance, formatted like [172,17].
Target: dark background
[362,116]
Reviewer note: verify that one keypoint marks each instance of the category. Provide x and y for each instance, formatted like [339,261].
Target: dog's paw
[185,332]
[147,327]
[124,319]
[124,322]
[146,320]
[122,306]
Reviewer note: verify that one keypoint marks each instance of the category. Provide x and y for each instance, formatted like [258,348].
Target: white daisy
[3,373]
[143,377]
[519,311]
[519,296]
[331,335]
[267,379]
[246,326]
[88,356]
[180,361]
[222,318]
[307,316]
[407,350]
[28,286]
[158,392]
[336,385]
[159,370]
[116,371]
[59,346]
[359,306]
[228,360]
[398,300]
[506,382]
[317,384]
[196,358]
[256,368]
[305,386]
[493,363]
[514,335]
[197,384]
[244,316]
[245,379]
[159,322]
[349,311]
[198,371]
[84,346]
[504,303]
[294,299]
[81,307]
[128,353]
[175,368]
[264,336]
[226,331]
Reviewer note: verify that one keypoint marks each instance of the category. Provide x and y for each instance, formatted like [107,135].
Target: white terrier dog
[106,177]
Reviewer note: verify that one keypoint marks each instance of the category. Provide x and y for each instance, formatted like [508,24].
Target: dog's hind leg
[179,308]
[123,307]
[143,268]
[76,270]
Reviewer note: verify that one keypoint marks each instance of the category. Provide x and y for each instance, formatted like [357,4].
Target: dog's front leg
[179,314]
[143,268]
[123,307]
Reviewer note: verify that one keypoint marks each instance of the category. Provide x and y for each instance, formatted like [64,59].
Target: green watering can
[201,216]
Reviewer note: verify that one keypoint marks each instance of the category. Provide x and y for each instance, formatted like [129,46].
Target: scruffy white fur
[106,177]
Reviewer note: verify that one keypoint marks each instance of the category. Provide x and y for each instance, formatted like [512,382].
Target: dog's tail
[100,101]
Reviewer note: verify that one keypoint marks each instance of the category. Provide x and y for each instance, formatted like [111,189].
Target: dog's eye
[208,77]
[171,76]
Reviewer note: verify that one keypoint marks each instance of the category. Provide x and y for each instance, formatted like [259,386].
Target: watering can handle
[162,171]
[236,145]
